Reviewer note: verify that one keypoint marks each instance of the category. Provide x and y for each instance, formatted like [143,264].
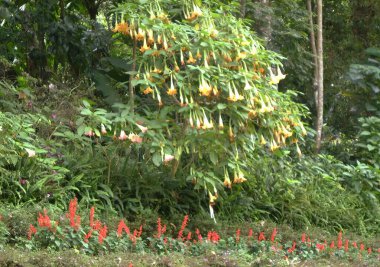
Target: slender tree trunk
[319,125]
[264,19]
[243,8]
[314,51]
[62,9]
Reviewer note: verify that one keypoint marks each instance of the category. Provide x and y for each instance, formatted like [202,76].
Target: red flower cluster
[44,220]
[213,237]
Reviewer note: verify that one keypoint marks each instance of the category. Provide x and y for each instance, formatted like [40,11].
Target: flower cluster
[97,233]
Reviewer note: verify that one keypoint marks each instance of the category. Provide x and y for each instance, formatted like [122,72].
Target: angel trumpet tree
[205,71]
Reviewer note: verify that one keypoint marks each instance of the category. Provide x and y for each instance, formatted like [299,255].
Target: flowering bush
[206,91]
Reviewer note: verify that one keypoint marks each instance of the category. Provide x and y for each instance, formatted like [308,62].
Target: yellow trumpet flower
[275,79]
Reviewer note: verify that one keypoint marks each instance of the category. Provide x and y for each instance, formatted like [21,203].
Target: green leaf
[213,157]
[156,158]
[370,147]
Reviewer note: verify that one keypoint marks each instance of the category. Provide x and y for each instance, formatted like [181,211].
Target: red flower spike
[346,245]
[198,235]
[290,250]
[183,226]
[303,238]
[237,235]
[369,250]
[97,225]
[320,247]
[159,228]
[332,245]
[87,236]
[92,213]
[102,234]
[74,219]
[139,233]
[340,240]
[130,265]
[122,227]
[273,236]
[32,231]
[261,236]
[354,244]
[189,236]
[361,247]
[250,233]
[163,230]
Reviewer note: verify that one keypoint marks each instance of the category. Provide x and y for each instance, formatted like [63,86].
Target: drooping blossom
[134,138]
[89,133]
[275,79]
[31,153]
[103,129]
[142,128]
[168,158]
[123,135]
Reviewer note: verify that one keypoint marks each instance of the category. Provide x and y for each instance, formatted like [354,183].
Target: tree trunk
[92,7]
[243,8]
[62,9]
[263,19]
[314,51]
[319,125]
